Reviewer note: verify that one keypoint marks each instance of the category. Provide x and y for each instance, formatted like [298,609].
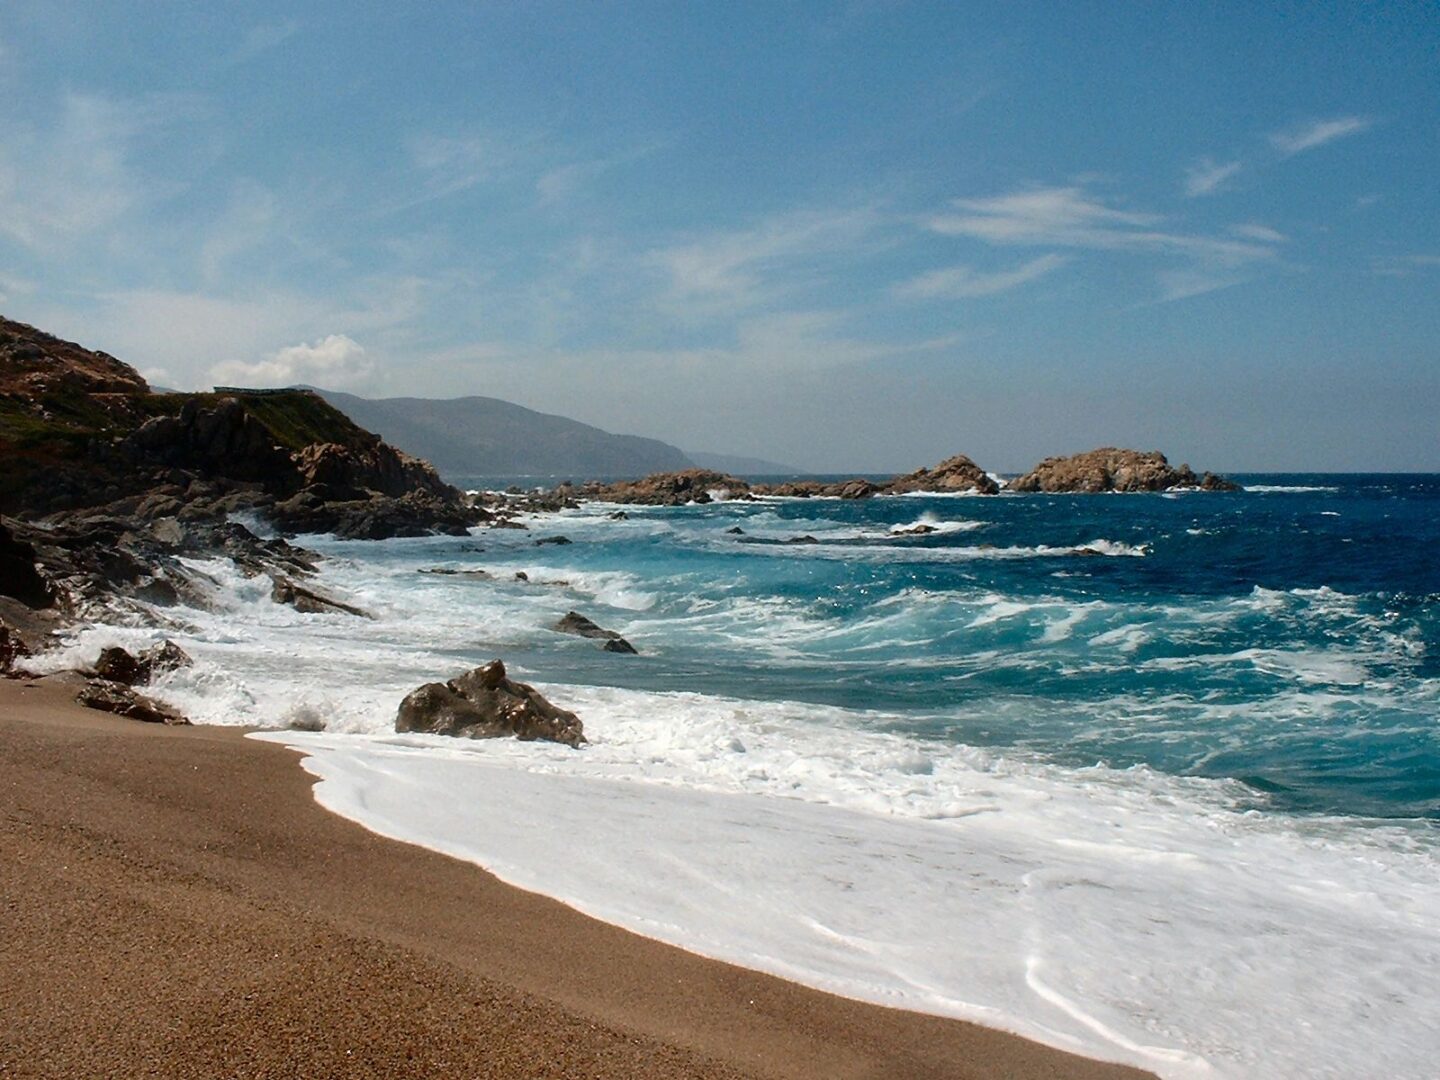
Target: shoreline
[176,887]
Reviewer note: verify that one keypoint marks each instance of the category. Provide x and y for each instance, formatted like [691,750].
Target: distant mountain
[472,437]
[737,465]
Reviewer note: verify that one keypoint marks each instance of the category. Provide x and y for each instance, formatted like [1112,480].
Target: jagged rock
[803,539]
[285,591]
[121,666]
[1111,469]
[958,473]
[521,575]
[735,530]
[485,704]
[669,489]
[19,577]
[123,701]
[858,489]
[575,623]
[619,515]
[558,541]
[918,529]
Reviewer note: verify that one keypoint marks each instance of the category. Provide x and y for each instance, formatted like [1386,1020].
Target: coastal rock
[557,541]
[123,701]
[575,623]
[309,602]
[19,577]
[119,665]
[12,648]
[485,704]
[858,489]
[1112,469]
[670,489]
[954,474]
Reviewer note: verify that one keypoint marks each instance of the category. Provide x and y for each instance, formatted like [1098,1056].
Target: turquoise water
[1286,636]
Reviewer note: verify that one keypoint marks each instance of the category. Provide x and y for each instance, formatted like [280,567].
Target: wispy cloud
[1253,230]
[963,282]
[1206,177]
[728,269]
[80,175]
[1313,133]
[1070,217]
[1404,265]
[261,39]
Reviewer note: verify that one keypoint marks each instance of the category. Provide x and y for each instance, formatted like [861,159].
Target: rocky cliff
[80,430]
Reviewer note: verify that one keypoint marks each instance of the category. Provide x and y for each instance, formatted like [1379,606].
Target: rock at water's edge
[485,704]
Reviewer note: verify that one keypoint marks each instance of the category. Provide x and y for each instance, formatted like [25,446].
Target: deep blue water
[1287,635]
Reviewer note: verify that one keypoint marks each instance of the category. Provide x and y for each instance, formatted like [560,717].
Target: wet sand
[174,903]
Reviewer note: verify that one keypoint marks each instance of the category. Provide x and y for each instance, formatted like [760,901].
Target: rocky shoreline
[112,492]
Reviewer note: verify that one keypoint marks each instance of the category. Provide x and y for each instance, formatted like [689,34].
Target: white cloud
[1206,177]
[1315,133]
[333,361]
[962,282]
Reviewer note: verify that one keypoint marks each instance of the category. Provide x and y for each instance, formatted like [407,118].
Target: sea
[1150,777]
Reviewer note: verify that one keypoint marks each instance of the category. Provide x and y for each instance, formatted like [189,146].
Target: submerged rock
[485,704]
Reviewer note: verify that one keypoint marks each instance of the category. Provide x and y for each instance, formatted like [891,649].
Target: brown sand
[174,903]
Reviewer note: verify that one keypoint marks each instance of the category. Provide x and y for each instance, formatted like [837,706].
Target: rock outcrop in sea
[954,474]
[1112,469]
[486,704]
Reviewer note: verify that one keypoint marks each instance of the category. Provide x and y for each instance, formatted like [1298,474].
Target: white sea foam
[1287,489]
[1126,915]
[1121,913]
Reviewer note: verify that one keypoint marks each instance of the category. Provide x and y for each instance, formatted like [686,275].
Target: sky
[844,236]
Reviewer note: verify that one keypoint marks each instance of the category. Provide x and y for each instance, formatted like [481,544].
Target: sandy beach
[176,904]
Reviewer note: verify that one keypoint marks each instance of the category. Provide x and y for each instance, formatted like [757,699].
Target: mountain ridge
[476,436]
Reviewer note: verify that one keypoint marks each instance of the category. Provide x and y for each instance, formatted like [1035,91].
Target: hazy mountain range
[472,437]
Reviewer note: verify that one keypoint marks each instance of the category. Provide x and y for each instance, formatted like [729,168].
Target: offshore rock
[575,623]
[958,473]
[485,704]
[669,489]
[1112,469]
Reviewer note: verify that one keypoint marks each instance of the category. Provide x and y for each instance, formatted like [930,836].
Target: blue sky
[848,236]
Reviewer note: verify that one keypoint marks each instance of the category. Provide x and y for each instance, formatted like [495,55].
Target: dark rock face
[121,700]
[1112,469]
[12,648]
[958,473]
[18,576]
[485,704]
[575,623]
[121,666]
